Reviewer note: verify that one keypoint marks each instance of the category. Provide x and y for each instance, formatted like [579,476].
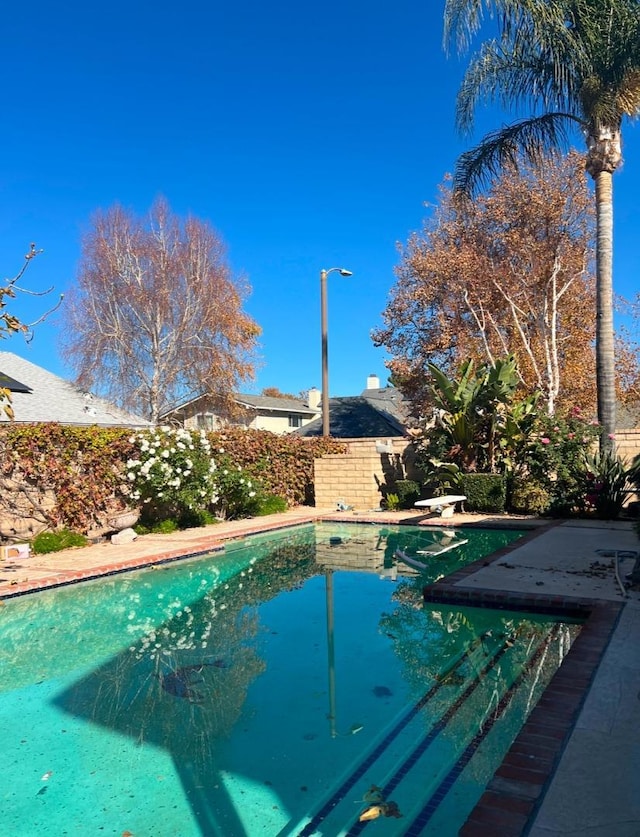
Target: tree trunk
[605,353]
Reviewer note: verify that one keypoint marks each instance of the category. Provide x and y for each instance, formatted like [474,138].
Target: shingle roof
[257,402]
[359,417]
[54,399]
[267,402]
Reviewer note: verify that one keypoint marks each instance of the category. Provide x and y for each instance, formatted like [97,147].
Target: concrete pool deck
[579,773]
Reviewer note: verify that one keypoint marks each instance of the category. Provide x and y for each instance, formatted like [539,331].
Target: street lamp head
[344,272]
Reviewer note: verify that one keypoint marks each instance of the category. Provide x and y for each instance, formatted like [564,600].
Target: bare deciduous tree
[157,317]
[12,324]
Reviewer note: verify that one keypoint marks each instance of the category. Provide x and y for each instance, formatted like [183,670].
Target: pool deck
[575,767]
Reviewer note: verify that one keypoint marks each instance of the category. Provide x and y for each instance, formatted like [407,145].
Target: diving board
[444,506]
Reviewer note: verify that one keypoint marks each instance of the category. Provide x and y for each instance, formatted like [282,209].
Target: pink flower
[545,441]
[612,435]
[571,435]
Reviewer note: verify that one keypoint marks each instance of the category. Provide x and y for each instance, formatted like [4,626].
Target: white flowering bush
[174,469]
[238,492]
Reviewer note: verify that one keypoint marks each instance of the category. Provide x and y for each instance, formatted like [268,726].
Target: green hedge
[484,492]
[408,492]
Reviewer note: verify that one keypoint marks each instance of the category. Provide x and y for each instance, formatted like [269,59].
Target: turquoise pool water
[266,690]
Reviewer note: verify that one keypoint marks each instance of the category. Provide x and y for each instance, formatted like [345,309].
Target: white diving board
[444,506]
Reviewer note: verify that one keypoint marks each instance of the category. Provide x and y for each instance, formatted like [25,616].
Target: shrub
[81,466]
[528,496]
[160,526]
[237,493]
[271,504]
[408,491]
[173,471]
[283,465]
[391,502]
[484,492]
[195,518]
[556,460]
[608,484]
[55,541]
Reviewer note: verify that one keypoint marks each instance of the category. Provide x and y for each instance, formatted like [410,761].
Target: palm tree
[574,64]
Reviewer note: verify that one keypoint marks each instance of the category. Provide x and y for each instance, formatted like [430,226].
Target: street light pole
[325,345]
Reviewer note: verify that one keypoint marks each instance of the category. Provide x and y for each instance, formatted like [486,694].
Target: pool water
[285,686]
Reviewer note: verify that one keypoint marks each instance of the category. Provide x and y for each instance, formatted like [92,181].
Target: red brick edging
[512,798]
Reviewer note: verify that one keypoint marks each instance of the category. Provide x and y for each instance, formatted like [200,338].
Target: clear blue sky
[309,135]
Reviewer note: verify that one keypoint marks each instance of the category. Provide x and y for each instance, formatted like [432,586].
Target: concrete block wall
[356,476]
[628,444]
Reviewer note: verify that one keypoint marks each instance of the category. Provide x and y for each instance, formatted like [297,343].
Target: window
[204,421]
[295,421]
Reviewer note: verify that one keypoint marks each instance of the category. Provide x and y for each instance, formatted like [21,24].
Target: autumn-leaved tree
[506,273]
[157,315]
[274,392]
[573,66]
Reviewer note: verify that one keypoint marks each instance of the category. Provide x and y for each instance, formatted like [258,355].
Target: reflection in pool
[288,685]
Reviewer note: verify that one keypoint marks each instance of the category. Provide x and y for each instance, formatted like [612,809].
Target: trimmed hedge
[484,492]
[408,492]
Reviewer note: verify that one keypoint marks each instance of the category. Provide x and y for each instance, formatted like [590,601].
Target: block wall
[628,444]
[356,477]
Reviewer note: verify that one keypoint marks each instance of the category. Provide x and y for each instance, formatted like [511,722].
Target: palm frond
[525,139]
[514,79]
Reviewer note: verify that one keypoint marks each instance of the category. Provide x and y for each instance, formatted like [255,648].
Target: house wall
[356,476]
[275,423]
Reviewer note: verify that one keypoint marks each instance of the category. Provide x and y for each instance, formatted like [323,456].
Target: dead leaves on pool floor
[378,806]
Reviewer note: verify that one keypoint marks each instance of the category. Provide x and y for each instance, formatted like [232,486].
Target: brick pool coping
[188,549]
[512,798]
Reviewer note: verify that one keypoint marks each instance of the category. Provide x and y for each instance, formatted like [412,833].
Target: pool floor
[262,691]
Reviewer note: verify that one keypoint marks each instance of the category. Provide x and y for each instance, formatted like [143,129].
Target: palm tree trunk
[605,351]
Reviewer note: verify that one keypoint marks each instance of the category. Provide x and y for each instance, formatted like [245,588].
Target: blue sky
[309,135]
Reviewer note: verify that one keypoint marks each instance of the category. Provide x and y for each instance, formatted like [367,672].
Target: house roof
[374,414]
[46,397]
[258,402]
[11,384]
[282,405]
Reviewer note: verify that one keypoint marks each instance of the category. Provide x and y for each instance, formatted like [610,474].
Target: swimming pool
[285,686]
